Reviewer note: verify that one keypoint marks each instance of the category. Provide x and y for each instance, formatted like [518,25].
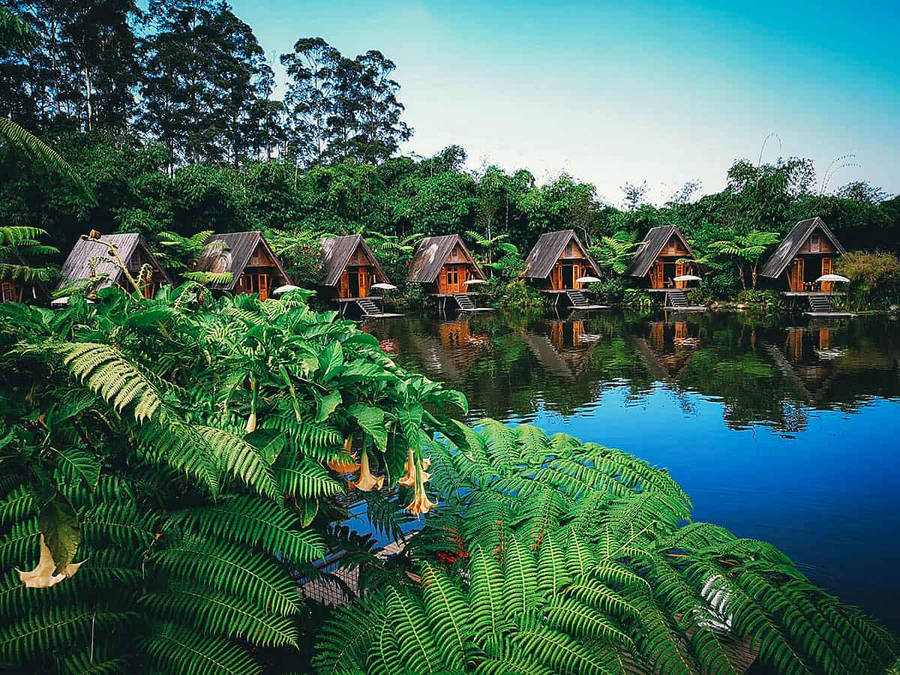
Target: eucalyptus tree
[81,71]
[340,108]
[204,75]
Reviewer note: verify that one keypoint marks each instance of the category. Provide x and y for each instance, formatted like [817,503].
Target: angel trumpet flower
[420,503]
[42,576]
[347,465]
[366,480]
[251,421]
[409,478]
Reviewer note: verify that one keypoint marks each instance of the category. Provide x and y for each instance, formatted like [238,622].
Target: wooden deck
[830,315]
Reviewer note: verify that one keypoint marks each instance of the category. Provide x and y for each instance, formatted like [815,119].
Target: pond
[786,432]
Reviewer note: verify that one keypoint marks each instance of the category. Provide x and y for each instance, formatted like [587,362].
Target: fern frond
[175,648]
[233,569]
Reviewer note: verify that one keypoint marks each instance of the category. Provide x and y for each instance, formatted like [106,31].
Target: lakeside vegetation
[173,468]
[177,130]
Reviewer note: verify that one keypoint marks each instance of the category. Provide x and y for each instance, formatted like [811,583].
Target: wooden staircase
[820,303]
[368,307]
[577,299]
[465,302]
[677,299]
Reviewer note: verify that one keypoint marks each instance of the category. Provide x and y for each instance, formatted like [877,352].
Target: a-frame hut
[446,268]
[805,254]
[253,265]
[657,260]
[555,264]
[557,261]
[351,269]
[91,259]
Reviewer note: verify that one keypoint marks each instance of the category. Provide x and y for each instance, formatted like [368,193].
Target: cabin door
[456,279]
[680,269]
[827,268]
[657,275]
[263,280]
[795,275]
[568,276]
[353,285]
[364,282]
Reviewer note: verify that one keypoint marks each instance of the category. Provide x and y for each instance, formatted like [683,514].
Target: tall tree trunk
[88,91]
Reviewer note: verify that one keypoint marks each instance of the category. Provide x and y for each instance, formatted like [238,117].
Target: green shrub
[637,300]
[761,300]
[516,294]
[874,279]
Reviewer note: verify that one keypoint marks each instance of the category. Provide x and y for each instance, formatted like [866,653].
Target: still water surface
[784,432]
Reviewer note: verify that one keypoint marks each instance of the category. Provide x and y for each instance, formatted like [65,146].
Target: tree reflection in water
[762,372]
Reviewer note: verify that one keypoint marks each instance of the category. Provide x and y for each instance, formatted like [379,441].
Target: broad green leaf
[371,420]
[327,405]
[61,529]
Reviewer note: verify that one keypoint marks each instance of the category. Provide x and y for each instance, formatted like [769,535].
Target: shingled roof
[78,264]
[651,247]
[336,252]
[233,256]
[548,249]
[431,255]
[787,249]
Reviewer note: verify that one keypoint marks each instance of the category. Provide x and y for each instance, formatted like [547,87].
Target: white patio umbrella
[475,282]
[64,300]
[687,277]
[384,287]
[287,288]
[587,280]
[833,278]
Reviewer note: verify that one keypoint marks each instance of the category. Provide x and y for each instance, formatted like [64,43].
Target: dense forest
[178,473]
[169,117]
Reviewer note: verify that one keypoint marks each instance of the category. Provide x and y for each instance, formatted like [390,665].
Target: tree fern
[607,577]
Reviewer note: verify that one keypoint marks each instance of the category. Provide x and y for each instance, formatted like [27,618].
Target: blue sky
[614,92]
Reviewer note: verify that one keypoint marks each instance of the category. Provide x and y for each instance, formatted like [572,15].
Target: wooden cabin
[557,261]
[443,265]
[806,253]
[91,261]
[350,268]
[253,265]
[657,260]
[19,290]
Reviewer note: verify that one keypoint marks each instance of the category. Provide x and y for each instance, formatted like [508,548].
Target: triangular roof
[336,252]
[548,249]
[781,257]
[652,246]
[77,265]
[234,256]
[431,255]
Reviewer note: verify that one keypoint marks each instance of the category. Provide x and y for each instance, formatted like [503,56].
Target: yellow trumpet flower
[409,478]
[347,465]
[420,503]
[366,480]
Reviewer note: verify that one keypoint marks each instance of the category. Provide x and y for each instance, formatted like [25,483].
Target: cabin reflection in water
[668,349]
[807,359]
